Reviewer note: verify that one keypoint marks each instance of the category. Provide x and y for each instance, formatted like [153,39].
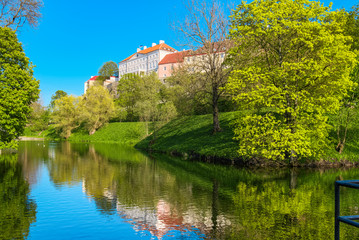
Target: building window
[164,68]
[164,75]
[172,67]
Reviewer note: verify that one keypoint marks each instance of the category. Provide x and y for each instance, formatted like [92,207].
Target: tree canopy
[97,107]
[292,64]
[58,94]
[107,70]
[18,88]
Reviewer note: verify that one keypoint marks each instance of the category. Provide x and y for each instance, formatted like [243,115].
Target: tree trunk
[216,127]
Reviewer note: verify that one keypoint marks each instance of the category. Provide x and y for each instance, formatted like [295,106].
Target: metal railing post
[337,211]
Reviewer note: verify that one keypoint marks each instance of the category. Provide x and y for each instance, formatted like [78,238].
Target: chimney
[153,44]
[145,47]
[161,41]
[138,49]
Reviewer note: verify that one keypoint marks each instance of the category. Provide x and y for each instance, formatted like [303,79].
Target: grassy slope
[42,134]
[193,134]
[124,132]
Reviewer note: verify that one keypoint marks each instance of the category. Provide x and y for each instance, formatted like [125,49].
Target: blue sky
[74,38]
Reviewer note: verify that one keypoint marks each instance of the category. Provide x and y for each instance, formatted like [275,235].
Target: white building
[146,60]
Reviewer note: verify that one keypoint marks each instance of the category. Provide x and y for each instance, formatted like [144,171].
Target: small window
[164,68]
[172,67]
[164,75]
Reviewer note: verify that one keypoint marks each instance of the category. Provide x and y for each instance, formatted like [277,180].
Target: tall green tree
[66,115]
[18,88]
[58,94]
[128,92]
[39,117]
[107,70]
[347,115]
[292,63]
[97,107]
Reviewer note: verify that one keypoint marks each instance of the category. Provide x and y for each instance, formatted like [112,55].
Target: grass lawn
[119,132]
[194,134]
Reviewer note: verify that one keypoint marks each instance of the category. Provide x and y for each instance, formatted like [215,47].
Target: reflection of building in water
[164,218]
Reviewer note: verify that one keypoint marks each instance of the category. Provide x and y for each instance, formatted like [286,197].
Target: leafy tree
[128,92]
[185,92]
[18,88]
[346,115]
[97,108]
[58,94]
[107,70]
[66,115]
[149,88]
[292,64]
[206,28]
[15,13]
[39,117]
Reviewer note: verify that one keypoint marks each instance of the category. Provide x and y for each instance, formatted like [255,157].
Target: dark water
[107,191]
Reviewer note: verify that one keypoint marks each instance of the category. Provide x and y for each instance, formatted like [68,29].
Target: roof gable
[176,57]
[162,46]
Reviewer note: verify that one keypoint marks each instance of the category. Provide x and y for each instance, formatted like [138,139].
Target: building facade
[146,60]
[169,63]
[89,83]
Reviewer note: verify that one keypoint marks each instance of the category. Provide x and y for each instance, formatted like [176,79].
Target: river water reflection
[106,191]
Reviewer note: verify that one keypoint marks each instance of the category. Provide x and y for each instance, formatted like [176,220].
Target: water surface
[106,191]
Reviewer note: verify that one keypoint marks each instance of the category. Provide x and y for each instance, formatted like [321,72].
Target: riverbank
[128,133]
[192,138]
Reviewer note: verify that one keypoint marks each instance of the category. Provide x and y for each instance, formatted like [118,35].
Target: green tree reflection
[17,211]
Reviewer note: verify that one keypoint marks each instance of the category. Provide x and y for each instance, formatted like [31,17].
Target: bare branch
[15,13]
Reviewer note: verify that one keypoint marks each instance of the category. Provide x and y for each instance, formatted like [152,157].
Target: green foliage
[18,88]
[187,93]
[193,134]
[291,61]
[125,133]
[58,94]
[66,115]
[144,98]
[39,117]
[128,91]
[107,70]
[97,108]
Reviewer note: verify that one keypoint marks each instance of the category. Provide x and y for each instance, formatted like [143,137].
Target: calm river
[105,191]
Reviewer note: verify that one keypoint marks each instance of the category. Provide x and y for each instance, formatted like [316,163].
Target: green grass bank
[128,133]
[193,135]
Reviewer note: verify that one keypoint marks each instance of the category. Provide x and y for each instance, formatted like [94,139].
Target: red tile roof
[176,57]
[162,46]
[93,78]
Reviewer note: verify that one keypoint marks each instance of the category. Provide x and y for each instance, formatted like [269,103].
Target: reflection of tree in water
[139,189]
[17,211]
[278,210]
[161,195]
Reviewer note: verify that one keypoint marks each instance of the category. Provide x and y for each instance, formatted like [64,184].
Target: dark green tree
[58,94]
[18,88]
[107,70]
